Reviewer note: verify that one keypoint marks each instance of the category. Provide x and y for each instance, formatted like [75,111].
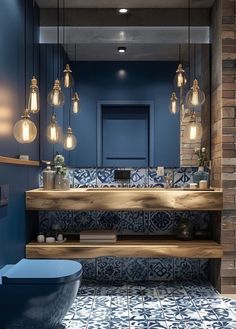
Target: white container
[50,239]
[60,237]
[193,185]
[40,238]
[203,184]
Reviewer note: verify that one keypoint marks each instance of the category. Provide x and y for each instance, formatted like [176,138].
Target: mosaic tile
[183,268]
[154,180]
[89,268]
[85,220]
[85,177]
[105,177]
[109,268]
[162,222]
[135,269]
[161,269]
[132,222]
[183,176]
[108,220]
[139,177]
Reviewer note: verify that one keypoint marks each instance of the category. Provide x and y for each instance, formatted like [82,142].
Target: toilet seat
[38,271]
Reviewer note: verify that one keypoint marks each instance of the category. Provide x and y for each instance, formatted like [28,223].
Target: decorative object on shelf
[193,130]
[33,103]
[41,238]
[184,229]
[50,239]
[195,97]
[25,130]
[168,179]
[56,228]
[174,105]
[68,79]
[48,177]
[54,132]
[203,184]
[56,97]
[201,174]
[61,181]
[75,103]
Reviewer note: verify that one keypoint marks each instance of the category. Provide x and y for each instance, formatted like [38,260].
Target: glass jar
[48,177]
[62,182]
[201,174]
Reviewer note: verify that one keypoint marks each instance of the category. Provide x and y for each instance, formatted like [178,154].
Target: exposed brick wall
[224,131]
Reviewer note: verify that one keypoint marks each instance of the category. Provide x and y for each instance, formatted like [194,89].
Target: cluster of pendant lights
[56,99]
[25,130]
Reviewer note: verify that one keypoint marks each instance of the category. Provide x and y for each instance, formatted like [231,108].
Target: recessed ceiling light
[121,50]
[123,11]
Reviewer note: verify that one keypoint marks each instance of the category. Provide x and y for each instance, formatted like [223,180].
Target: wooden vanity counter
[112,199]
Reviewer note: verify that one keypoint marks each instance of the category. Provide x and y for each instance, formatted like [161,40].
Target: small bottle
[48,177]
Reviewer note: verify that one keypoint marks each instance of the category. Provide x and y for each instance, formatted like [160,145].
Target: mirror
[124,67]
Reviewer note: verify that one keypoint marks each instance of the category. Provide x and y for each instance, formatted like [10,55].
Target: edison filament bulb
[25,130]
[33,103]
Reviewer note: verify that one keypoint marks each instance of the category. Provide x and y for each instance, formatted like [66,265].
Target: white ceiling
[126,3]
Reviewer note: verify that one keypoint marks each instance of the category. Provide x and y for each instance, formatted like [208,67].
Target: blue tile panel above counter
[140,177]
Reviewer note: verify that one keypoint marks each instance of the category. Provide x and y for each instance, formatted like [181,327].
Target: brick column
[224,130]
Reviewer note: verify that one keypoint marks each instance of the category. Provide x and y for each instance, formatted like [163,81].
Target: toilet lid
[37,271]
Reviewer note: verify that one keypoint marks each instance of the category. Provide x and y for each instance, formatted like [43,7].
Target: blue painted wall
[12,104]
[150,81]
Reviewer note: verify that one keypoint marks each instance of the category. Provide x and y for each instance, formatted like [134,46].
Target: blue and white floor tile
[149,305]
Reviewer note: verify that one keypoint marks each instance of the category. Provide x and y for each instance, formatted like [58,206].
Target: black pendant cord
[53,109]
[64,45]
[58,39]
[33,50]
[194,61]
[189,43]
[25,57]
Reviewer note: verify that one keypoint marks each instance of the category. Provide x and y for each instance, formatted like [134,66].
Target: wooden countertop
[111,199]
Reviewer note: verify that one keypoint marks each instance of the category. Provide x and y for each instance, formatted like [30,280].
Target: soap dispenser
[48,177]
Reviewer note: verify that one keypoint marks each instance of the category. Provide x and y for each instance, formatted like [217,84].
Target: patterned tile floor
[172,305]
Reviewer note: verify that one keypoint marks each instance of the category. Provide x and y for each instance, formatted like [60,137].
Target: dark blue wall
[144,81]
[12,104]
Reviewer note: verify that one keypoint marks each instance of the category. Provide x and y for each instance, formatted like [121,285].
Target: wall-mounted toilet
[36,294]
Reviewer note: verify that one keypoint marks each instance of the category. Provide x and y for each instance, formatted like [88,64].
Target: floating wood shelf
[137,247]
[15,161]
[135,199]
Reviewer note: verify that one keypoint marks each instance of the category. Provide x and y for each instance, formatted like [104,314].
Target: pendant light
[70,140]
[54,132]
[180,79]
[75,103]
[174,104]
[68,79]
[25,130]
[33,102]
[193,130]
[56,97]
[195,96]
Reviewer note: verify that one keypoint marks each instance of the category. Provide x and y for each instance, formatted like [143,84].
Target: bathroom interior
[117,164]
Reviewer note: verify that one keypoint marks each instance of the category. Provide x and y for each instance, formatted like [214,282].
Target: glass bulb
[68,79]
[70,140]
[75,103]
[193,130]
[25,130]
[54,131]
[180,77]
[56,97]
[195,96]
[174,105]
[33,103]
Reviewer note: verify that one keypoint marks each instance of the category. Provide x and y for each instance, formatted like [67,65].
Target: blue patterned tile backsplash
[130,223]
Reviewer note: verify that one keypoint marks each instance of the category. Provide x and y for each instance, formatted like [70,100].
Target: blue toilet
[36,294]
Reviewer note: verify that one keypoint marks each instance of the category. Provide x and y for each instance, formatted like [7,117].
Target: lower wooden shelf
[137,247]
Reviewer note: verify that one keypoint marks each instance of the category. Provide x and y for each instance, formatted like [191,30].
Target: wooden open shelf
[15,161]
[135,199]
[127,247]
